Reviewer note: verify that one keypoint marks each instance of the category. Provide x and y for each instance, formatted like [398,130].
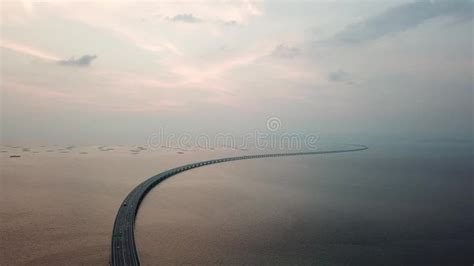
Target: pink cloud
[28,50]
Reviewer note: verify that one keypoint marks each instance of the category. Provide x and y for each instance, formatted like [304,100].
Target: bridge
[124,251]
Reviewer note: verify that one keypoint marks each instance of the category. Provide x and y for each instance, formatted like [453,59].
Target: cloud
[190,18]
[404,17]
[84,60]
[340,76]
[143,41]
[27,50]
[284,51]
[187,18]
[230,23]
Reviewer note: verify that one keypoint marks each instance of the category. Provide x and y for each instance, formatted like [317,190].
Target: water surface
[392,204]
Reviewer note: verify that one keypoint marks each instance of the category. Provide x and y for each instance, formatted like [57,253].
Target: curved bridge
[124,251]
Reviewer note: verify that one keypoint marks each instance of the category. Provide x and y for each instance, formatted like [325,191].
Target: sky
[95,72]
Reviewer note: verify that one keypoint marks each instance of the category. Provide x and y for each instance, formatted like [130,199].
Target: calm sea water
[389,205]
